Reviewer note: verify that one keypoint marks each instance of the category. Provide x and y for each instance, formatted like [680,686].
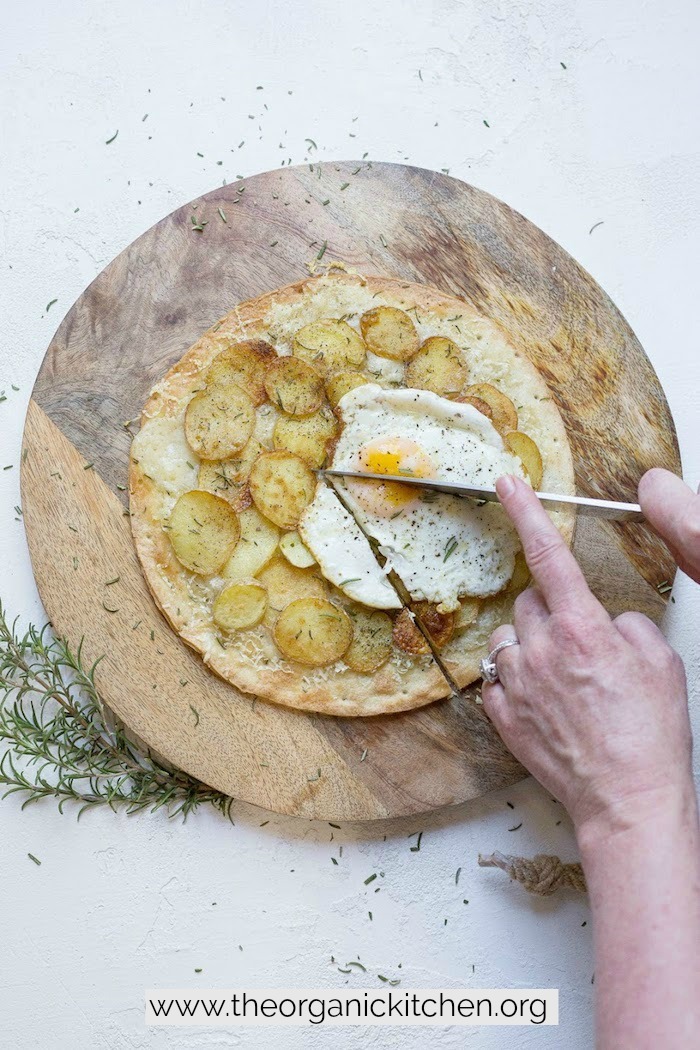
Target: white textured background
[121,904]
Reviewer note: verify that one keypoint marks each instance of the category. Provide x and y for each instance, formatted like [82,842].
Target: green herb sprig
[59,741]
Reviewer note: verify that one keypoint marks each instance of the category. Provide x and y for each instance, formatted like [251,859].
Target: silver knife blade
[599,508]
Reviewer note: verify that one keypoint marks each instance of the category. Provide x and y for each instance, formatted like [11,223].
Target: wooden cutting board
[155,299]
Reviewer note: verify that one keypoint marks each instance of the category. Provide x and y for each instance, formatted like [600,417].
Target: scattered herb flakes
[274,244]
[322,250]
[563,65]
[195,712]
[358,965]
[108,141]
[416,848]
[595,226]
[487,124]
[312,144]
[363,756]
[344,186]
[88,466]
[420,74]
[35,859]
[510,805]
[198,224]
[109,583]
[198,969]
[222,214]
[108,609]
[371,878]
[334,861]
[457,874]
[327,201]
[370,915]
[517,827]
[664,587]
[49,305]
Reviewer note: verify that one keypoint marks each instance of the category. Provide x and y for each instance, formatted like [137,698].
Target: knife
[598,508]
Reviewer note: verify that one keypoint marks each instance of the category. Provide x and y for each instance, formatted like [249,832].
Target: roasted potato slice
[503,414]
[439,626]
[285,583]
[479,404]
[437,366]
[521,574]
[389,332]
[371,640]
[467,613]
[255,547]
[313,631]
[528,453]
[329,345]
[240,606]
[341,383]
[245,365]
[306,437]
[406,635]
[293,386]
[295,551]
[203,531]
[282,486]
[228,478]
[219,421]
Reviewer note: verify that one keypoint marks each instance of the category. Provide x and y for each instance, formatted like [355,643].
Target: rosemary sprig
[59,742]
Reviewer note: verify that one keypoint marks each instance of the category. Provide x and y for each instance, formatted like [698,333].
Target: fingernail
[505,486]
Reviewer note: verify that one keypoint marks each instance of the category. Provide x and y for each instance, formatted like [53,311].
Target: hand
[595,708]
[673,510]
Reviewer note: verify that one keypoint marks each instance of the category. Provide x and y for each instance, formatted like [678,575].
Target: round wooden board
[153,301]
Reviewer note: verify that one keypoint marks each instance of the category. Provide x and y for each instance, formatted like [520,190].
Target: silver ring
[488,668]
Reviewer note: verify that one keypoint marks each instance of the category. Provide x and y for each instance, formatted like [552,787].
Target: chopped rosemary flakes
[222,214]
[322,250]
[49,305]
[416,848]
[196,714]
[370,879]
[35,859]
[108,141]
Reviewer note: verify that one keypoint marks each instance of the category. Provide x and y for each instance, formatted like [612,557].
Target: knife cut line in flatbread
[397,583]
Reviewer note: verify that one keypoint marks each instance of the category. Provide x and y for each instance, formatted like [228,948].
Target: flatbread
[163,467]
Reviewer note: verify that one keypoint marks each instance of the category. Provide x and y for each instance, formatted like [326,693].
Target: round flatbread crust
[163,467]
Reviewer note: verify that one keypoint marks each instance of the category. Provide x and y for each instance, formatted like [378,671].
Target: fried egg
[440,546]
[343,551]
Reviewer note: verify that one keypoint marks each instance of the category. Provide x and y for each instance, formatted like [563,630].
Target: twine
[541,875]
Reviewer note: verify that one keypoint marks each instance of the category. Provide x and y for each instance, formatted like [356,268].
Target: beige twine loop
[542,874]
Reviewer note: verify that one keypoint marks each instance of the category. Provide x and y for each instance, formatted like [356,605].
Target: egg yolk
[396,456]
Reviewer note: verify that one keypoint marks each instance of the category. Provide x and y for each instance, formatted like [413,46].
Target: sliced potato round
[528,453]
[439,626]
[313,631]
[219,421]
[295,551]
[293,386]
[255,547]
[282,486]
[389,332]
[479,404]
[203,531]
[438,366]
[329,345]
[503,414]
[228,478]
[521,574]
[342,383]
[285,583]
[245,365]
[240,606]
[306,437]
[406,635]
[371,640]
[467,613]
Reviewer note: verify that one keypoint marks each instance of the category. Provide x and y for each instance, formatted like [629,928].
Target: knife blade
[599,508]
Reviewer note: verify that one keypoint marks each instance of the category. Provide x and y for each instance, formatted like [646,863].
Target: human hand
[673,510]
[595,708]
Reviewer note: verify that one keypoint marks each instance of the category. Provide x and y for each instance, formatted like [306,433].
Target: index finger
[554,568]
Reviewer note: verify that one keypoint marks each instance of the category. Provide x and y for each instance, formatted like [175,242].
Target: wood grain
[154,300]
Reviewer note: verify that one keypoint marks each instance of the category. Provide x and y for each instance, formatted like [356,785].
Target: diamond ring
[488,668]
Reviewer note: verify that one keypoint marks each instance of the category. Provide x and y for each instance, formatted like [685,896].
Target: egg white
[343,552]
[444,548]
